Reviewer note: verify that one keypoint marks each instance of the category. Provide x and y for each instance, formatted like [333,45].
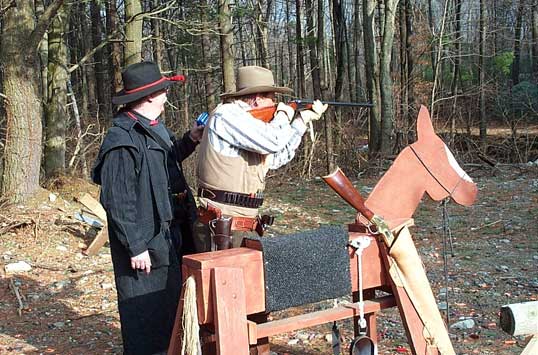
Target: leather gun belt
[231,198]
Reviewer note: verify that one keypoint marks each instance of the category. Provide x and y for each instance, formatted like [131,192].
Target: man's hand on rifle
[314,113]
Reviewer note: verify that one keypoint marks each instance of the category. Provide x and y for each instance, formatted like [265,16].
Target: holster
[221,230]
[263,222]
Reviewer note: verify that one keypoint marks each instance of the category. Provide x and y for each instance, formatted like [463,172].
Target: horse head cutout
[424,166]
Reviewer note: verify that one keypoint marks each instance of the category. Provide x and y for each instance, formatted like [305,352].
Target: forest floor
[69,300]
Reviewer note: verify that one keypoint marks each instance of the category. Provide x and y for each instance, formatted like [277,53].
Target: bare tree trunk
[482,74]
[158,47]
[301,89]
[90,103]
[56,116]
[102,82]
[387,109]
[43,52]
[404,71]
[226,46]
[357,40]
[517,44]
[321,46]
[261,29]
[372,75]
[338,30]
[291,77]
[456,73]
[410,85]
[115,54]
[314,55]
[535,40]
[433,40]
[19,64]
[206,59]
[133,32]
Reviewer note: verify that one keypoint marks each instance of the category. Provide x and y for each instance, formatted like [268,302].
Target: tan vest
[244,174]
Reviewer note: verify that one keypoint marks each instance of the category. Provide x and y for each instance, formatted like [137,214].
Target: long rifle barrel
[301,102]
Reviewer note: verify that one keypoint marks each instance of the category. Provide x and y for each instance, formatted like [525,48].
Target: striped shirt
[232,128]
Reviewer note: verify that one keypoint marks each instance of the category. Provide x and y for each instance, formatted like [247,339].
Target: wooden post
[229,312]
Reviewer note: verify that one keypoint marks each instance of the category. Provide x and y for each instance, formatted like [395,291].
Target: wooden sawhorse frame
[230,294]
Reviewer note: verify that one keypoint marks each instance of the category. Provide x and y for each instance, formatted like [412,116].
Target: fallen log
[520,318]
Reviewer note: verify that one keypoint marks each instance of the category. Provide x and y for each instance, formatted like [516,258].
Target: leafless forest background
[474,63]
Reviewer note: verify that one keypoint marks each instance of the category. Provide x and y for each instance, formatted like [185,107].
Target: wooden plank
[230,311]
[320,317]
[100,239]
[252,332]
[94,206]
[532,346]
[174,348]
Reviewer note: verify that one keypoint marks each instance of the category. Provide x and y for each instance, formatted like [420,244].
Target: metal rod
[335,103]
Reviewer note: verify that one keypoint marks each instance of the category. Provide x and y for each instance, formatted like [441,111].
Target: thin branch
[7,7]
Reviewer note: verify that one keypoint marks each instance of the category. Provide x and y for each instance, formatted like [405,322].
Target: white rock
[61,248]
[329,338]
[106,285]
[293,342]
[20,266]
[52,197]
[464,324]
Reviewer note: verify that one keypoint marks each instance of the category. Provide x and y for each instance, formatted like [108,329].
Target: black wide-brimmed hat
[142,79]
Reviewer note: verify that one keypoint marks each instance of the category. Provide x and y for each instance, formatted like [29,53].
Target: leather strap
[231,198]
[244,223]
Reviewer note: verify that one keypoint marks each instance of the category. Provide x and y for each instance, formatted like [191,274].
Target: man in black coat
[150,208]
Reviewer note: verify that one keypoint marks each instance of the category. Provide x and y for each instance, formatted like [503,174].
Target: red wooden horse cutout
[424,166]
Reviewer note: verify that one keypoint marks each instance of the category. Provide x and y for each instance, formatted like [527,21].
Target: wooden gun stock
[266,114]
[343,187]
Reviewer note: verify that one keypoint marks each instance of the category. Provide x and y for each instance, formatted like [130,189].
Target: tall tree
[56,116]
[535,40]
[517,43]
[115,51]
[312,48]
[206,59]
[226,45]
[387,109]
[101,78]
[133,32]
[482,73]
[301,85]
[372,75]
[19,62]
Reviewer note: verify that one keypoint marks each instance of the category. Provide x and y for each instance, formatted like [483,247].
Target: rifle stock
[339,182]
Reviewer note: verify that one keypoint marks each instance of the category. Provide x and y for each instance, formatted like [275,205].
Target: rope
[447,242]
[191,329]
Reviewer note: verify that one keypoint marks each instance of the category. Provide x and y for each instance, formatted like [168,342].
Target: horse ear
[424,125]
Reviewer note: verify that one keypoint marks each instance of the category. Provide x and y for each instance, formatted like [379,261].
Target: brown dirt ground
[69,300]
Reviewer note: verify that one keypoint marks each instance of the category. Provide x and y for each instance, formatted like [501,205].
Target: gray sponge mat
[305,267]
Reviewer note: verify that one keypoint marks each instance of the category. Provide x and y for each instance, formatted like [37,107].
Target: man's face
[159,99]
[261,100]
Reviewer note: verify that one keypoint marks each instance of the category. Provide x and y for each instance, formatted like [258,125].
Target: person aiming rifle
[236,152]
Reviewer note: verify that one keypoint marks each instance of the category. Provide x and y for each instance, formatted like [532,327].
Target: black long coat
[132,170]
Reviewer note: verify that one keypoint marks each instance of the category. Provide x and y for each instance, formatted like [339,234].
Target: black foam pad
[305,267]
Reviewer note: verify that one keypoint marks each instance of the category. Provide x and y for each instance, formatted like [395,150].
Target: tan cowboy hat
[254,79]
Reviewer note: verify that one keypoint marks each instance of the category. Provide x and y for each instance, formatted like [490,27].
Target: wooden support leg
[175,341]
[413,324]
[229,311]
